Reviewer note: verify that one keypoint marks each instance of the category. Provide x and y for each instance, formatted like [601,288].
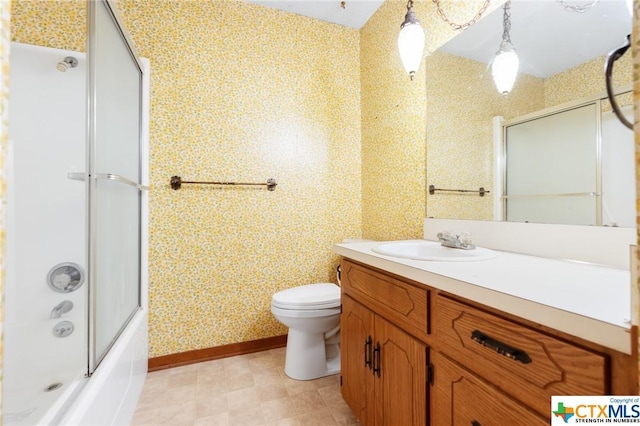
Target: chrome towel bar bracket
[177,182]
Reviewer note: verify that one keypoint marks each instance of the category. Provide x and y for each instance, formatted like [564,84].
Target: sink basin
[430,250]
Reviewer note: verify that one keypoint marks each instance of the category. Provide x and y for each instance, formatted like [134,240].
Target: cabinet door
[356,346]
[462,399]
[401,389]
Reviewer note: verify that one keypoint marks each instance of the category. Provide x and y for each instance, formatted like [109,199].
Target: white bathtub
[110,396]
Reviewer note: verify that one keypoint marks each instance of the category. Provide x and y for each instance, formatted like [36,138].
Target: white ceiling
[354,15]
[547,38]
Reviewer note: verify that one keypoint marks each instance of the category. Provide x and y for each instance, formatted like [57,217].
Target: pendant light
[505,65]
[411,41]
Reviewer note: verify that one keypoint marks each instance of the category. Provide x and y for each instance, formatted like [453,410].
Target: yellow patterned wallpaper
[52,23]
[393,131]
[460,132]
[394,118]
[243,93]
[587,80]
[5,38]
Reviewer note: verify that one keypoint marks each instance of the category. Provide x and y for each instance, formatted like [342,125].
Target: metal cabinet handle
[501,348]
[475,423]
[613,56]
[368,346]
[376,360]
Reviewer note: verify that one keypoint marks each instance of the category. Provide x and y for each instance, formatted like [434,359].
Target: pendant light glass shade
[505,65]
[411,42]
[505,68]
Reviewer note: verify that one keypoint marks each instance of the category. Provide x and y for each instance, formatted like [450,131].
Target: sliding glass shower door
[569,165]
[115,75]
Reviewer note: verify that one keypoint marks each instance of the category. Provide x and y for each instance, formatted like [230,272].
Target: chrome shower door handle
[608,71]
[109,176]
[121,179]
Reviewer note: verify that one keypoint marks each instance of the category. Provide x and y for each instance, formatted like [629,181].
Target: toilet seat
[304,313]
[308,297]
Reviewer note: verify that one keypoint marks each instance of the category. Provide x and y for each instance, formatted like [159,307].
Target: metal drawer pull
[499,347]
[368,346]
[475,423]
[376,360]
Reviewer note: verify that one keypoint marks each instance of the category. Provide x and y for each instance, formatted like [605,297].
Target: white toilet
[312,313]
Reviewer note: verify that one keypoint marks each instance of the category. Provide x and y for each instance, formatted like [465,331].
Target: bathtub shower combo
[75,349]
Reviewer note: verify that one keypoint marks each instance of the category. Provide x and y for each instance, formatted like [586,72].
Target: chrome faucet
[460,241]
[61,308]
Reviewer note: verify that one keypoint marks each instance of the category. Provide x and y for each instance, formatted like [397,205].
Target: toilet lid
[311,296]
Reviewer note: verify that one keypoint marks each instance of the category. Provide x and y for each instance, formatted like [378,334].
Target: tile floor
[242,390]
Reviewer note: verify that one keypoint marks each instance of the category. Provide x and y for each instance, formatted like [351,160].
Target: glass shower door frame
[94,358]
[546,193]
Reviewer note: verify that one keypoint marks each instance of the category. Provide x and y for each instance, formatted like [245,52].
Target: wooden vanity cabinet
[384,367]
[444,360]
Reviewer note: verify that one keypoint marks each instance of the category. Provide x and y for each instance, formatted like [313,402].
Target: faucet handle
[465,238]
[61,308]
[466,241]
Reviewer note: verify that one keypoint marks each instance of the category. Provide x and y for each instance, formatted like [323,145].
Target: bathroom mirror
[473,131]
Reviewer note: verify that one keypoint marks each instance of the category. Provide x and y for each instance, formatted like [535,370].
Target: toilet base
[306,356]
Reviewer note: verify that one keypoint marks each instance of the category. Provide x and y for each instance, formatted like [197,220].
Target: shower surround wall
[239,93]
[45,227]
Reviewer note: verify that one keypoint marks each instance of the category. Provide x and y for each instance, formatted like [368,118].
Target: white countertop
[585,300]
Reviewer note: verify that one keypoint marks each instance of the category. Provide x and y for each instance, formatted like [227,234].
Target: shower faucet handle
[61,308]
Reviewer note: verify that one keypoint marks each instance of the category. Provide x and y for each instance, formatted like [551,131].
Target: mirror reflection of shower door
[114,164]
[552,168]
[618,171]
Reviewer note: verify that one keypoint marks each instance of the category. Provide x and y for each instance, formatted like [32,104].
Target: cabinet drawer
[403,304]
[529,365]
[460,398]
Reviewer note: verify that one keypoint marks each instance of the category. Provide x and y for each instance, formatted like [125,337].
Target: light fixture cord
[506,23]
[466,25]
